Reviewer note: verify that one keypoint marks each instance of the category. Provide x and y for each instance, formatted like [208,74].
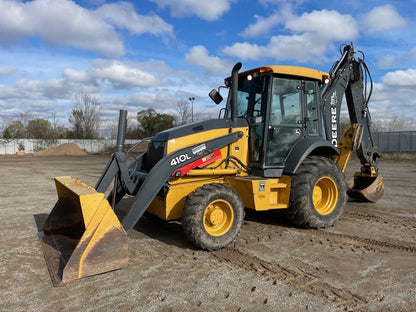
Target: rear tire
[213,216]
[317,193]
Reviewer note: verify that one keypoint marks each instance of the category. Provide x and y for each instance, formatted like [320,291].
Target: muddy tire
[213,216]
[317,193]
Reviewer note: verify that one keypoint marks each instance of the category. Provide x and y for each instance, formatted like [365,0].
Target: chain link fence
[8,147]
[397,141]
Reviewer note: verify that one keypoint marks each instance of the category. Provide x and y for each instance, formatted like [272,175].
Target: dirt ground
[366,262]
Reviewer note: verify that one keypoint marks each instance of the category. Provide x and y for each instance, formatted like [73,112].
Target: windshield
[248,98]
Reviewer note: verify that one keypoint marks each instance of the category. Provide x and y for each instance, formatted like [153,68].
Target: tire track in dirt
[393,220]
[301,277]
[342,239]
[41,173]
[371,244]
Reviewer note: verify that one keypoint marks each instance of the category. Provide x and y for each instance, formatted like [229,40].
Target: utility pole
[192,99]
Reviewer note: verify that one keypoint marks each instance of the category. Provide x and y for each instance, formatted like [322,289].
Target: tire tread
[301,209]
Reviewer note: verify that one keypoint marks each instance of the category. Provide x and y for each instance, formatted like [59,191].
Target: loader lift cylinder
[117,165]
[121,132]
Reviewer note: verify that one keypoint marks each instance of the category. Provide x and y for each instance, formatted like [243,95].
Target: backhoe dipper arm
[347,77]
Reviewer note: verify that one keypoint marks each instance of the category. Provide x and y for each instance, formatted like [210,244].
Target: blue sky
[153,53]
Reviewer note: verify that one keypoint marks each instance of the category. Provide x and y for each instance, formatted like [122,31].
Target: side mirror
[215,96]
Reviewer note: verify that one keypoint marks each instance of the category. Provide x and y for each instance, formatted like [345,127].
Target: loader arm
[348,76]
[83,236]
[153,181]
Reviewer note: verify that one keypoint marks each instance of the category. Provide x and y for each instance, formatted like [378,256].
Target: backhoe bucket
[365,187]
[82,236]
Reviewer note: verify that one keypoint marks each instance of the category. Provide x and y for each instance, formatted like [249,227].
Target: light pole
[192,99]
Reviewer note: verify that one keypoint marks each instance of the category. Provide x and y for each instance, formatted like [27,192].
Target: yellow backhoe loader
[275,145]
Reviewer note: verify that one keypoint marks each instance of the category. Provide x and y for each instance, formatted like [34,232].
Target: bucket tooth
[82,236]
[365,187]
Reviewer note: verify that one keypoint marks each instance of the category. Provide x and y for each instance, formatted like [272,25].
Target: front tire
[317,193]
[213,216]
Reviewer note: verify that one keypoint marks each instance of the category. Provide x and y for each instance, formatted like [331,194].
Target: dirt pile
[67,149]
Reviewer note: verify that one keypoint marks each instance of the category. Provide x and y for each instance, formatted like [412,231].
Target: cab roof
[298,71]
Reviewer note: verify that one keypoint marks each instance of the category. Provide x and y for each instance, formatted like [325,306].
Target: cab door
[285,119]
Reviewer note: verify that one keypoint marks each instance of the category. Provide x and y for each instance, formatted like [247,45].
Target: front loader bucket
[82,236]
[365,187]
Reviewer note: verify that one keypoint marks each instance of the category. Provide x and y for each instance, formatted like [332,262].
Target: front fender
[304,148]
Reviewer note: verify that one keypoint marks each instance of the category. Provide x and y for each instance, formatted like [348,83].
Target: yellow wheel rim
[218,217]
[325,195]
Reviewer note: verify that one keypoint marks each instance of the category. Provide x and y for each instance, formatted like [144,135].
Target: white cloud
[63,22]
[245,51]
[152,100]
[8,92]
[330,25]
[206,10]
[383,18]
[399,58]
[281,2]
[102,77]
[30,91]
[53,89]
[388,61]
[395,95]
[123,16]
[58,22]
[400,78]
[123,75]
[412,54]
[312,35]
[131,85]
[305,47]
[76,75]
[199,56]
[6,71]
[262,25]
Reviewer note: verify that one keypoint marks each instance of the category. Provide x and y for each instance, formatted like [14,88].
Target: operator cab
[282,107]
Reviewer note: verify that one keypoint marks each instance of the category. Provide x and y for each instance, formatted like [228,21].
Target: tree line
[84,119]
[85,122]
